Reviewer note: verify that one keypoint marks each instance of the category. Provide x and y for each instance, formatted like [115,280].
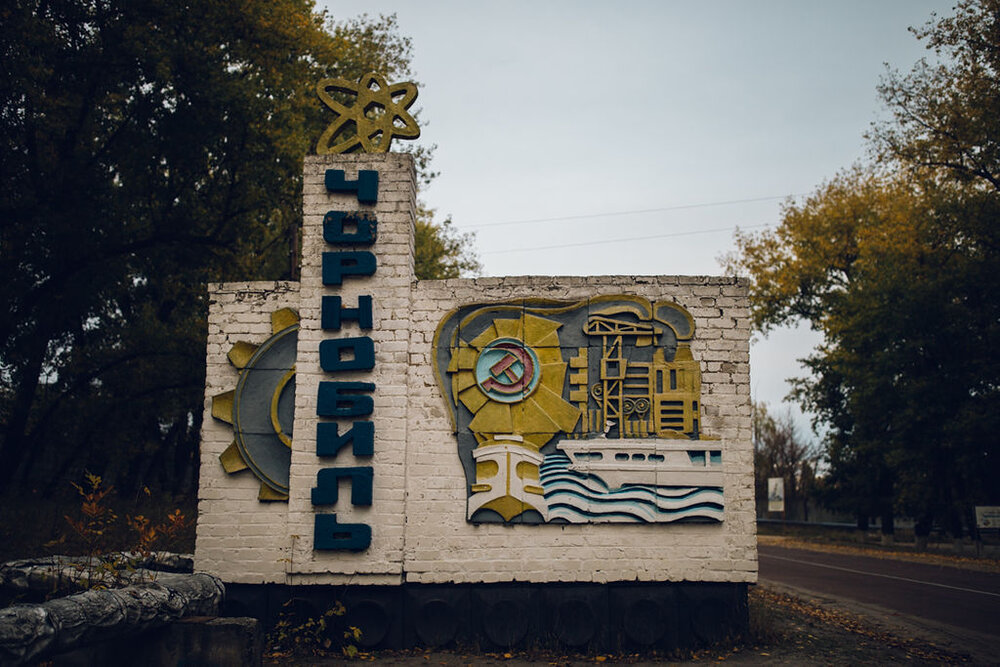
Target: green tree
[440,251]
[896,264]
[946,116]
[149,147]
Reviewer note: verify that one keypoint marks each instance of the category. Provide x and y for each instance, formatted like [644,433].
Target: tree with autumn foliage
[897,264]
[149,147]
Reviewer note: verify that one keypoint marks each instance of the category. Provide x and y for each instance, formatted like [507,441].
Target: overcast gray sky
[594,138]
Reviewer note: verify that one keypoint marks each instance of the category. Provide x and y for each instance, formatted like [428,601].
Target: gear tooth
[267,493]
[232,459]
[222,406]
[282,319]
[240,354]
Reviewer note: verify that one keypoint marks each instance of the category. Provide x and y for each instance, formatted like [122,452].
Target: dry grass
[34,524]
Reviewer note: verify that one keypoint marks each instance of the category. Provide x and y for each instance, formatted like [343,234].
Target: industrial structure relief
[579,412]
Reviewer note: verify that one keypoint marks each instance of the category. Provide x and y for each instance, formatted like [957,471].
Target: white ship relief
[651,461]
[619,462]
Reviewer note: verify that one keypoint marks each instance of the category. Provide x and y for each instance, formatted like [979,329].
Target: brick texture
[417,516]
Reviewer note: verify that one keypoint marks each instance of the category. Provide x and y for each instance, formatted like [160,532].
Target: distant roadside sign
[776,494]
[987,516]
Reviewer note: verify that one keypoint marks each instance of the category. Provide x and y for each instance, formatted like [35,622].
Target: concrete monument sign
[398,459]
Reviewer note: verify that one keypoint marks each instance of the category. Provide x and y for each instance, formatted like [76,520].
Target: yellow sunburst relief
[369,114]
[261,408]
[579,412]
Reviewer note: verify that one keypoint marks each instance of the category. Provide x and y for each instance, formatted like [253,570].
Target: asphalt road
[961,598]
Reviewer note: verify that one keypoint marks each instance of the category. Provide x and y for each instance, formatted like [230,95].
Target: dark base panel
[578,616]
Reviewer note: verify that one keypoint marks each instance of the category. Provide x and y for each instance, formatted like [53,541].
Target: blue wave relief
[575,497]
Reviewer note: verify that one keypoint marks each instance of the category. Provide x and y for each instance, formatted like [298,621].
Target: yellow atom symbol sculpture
[378,114]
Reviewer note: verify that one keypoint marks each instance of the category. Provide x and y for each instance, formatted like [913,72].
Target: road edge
[979,647]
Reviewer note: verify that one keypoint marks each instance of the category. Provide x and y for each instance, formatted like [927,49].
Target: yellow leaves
[836,632]
[854,228]
[313,635]
[100,533]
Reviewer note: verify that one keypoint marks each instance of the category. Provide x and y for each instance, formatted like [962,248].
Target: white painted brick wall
[418,522]
[237,535]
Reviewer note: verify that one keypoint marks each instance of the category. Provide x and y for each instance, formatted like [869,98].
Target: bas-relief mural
[579,412]
[261,408]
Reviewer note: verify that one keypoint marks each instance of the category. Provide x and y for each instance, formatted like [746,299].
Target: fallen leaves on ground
[859,626]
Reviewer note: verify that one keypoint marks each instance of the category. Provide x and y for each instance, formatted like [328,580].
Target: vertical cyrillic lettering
[331,400]
[331,354]
[366,186]
[336,265]
[336,224]
[334,314]
[326,490]
[328,535]
[329,441]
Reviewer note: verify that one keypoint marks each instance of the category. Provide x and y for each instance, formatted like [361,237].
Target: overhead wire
[627,240]
[679,207]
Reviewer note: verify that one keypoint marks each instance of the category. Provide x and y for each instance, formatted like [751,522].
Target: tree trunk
[888,526]
[921,529]
[15,438]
